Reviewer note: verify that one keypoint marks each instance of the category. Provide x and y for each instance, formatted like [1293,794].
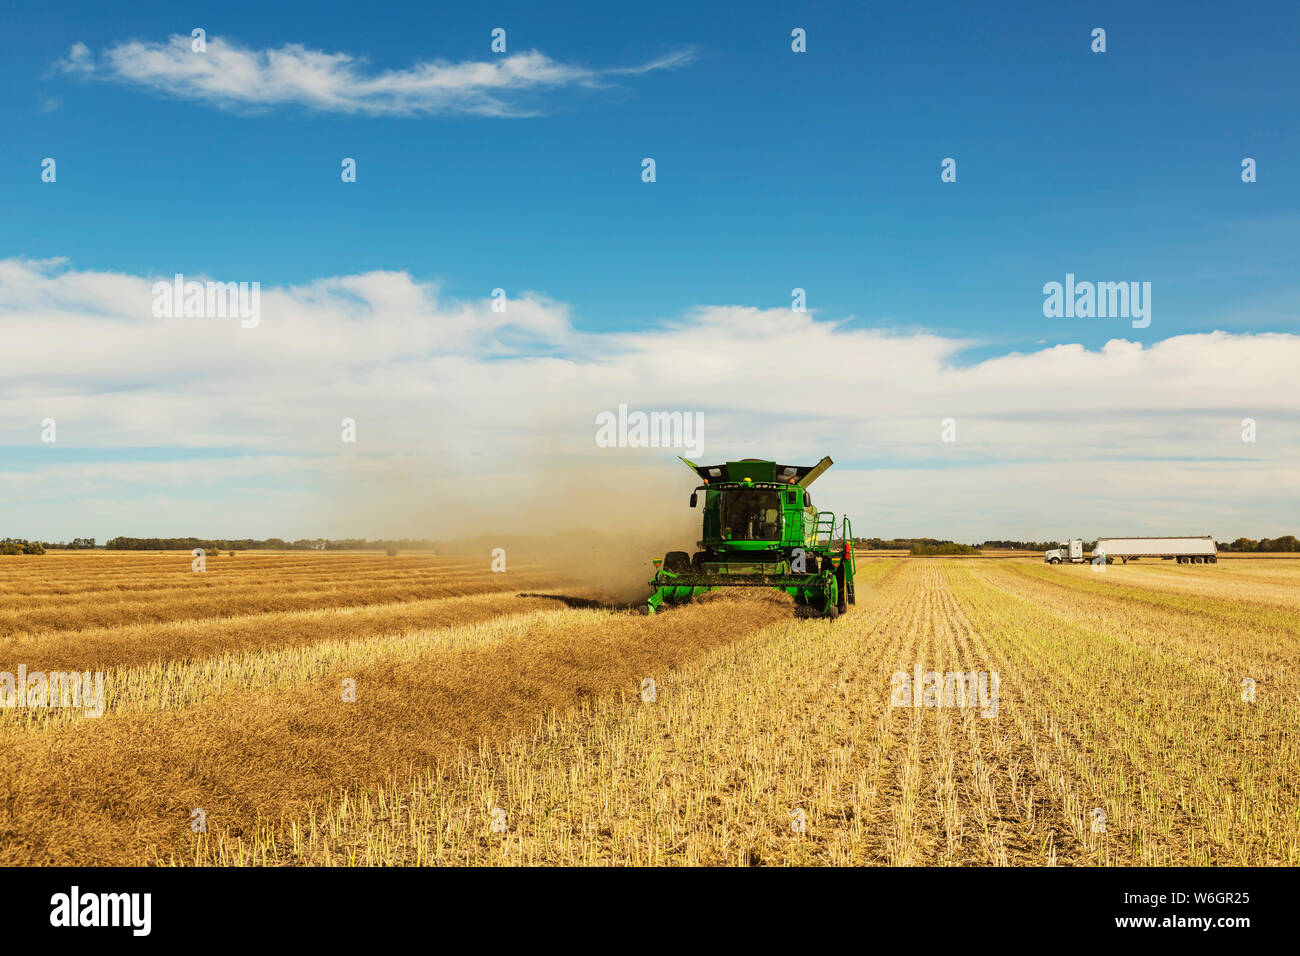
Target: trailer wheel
[1198,560]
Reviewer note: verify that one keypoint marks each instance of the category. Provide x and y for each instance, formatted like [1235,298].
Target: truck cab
[1069,551]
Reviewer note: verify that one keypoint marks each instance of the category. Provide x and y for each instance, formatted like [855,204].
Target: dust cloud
[598,525]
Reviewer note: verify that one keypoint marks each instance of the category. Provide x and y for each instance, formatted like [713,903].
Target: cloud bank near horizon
[463,412]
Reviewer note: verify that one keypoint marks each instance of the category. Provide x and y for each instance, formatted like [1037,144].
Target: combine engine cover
[760,529]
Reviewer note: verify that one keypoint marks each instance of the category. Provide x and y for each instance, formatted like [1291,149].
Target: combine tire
[843,606]
[677,562]
[832,613]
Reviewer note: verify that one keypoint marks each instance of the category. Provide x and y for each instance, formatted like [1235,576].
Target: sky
[523,170]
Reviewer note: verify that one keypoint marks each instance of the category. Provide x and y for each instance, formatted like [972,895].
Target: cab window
[751,514]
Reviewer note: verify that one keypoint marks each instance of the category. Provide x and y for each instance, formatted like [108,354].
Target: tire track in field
[1052,729]
[1282,621]
[902,843]
[1196,640]
[1105,756]
[1218,582]
[1235,813]
[1015,770]
[862,797]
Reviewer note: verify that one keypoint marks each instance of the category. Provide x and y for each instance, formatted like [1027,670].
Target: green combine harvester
[762,531]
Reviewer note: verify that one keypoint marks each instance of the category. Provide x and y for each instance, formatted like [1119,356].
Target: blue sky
[774,170]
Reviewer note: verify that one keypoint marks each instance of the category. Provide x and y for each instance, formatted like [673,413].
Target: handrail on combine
[823,524]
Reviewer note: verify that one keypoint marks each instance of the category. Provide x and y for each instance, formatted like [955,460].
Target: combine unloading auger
[761,530]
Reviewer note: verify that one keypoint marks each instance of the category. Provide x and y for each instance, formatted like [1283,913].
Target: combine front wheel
[677,562]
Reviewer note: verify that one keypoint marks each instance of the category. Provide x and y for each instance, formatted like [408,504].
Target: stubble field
[499,718]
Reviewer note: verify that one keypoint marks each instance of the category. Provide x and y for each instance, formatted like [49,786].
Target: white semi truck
[1191,550]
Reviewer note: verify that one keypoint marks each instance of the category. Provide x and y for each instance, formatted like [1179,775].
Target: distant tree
[945,547]
[21,546]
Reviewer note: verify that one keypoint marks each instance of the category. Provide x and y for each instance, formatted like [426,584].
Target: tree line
[916,545]
[1287,542]
[268,544]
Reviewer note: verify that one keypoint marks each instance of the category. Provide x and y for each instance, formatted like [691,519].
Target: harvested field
[499,718]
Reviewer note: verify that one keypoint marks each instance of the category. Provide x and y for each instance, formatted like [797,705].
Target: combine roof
[758,470]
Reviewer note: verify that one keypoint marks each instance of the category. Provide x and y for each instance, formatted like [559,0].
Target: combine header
[762,531]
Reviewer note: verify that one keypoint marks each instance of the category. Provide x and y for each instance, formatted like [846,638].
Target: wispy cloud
[229,76]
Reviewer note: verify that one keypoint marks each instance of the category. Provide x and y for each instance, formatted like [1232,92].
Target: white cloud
[462,410]
[228,75]
[78,60]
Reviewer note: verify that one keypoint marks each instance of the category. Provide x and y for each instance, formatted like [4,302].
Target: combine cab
[762,531]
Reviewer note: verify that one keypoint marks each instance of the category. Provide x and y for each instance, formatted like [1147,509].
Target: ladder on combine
[823,536]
